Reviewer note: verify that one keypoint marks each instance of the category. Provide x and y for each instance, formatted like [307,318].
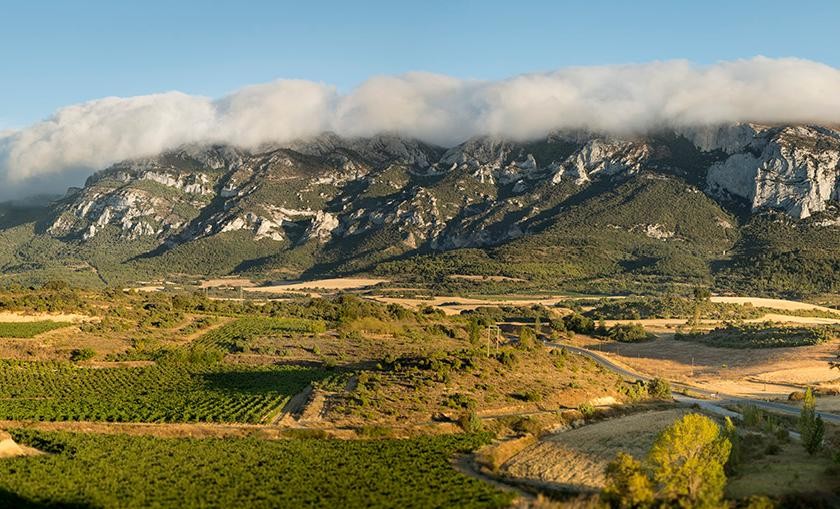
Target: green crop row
[165,392]
[124,471]
[28,329]
[235,336]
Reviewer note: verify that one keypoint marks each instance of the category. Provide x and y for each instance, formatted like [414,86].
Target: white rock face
[602,157]
[656,231]
[322,227]
[192,184]
[133,212]
[483,192]
[796,171]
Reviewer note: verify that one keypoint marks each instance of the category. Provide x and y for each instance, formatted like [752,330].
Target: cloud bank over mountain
[622,99]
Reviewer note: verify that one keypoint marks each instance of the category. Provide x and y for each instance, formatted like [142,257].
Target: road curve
[720,399]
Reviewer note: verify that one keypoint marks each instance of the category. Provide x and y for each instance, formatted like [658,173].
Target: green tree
[628,485]
[702,294]
[735,456]
[474,331]
[811,425]
[527,338]
[687,463]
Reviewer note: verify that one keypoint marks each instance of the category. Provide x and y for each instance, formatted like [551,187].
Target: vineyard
[237,335]
[166,392]
[28,329]
[130,471]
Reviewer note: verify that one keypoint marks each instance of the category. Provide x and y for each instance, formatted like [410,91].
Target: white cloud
[439,109]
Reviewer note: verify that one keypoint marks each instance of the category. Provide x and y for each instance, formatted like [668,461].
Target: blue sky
[59,52]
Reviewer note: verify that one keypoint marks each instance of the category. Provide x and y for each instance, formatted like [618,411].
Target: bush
[628,484]
[587,409]
[527,339]
[628,333]
[470,422]
[578,323]
[82,354]
[659,388]
[796,396]
[764,335]
[458,400]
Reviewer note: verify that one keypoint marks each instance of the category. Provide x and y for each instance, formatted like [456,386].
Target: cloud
[81,138]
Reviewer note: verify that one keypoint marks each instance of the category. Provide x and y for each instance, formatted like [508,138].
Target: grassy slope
[778,255]
[600,235]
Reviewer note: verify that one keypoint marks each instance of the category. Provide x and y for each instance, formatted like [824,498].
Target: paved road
[720,399]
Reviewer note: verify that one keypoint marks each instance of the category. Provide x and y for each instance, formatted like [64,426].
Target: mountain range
[742,206]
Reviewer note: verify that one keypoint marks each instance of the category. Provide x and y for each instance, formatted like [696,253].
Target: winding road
[719,399]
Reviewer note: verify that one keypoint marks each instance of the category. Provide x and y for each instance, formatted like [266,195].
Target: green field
[128,471]
[235,336]
[170,391]
[767,335]
[28,329]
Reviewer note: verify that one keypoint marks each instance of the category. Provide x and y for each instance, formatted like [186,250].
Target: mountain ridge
[337,204]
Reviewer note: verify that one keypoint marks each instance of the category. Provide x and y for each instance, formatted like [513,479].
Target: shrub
[628,485]
[459,400]
[765,335]
[587,409]
[811,425]
[82,354]
[527,339]
[470,422]
[659,388]
[796,396]
[628,333]
[578,323]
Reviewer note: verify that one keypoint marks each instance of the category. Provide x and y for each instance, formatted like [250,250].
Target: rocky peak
[789,168]
[480,192]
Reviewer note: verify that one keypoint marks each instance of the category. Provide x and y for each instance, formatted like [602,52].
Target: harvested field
[487,278]
[788,305]
[671,324]
[577,459]
[319,284]
[767,373]
[454,305]
[12,317]
[235,282]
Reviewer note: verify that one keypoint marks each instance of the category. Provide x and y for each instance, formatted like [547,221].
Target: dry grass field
[769,373]
[13,317]
[578,458]
[330,285]
[454,305]
[787,305]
